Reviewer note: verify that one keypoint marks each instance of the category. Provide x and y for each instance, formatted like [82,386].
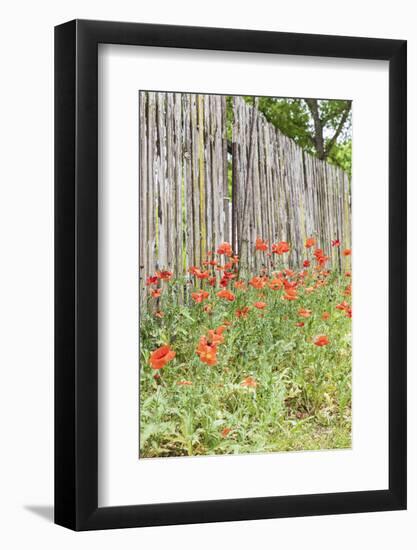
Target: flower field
[237,363]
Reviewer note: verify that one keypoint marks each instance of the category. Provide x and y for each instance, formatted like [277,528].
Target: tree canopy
[321,126]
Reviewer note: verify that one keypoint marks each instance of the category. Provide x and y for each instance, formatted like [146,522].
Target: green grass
[302,398]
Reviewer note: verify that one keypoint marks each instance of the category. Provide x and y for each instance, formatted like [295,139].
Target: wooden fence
[183,199]
[278,191]
[282,193]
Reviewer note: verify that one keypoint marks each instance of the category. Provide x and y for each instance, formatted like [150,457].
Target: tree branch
[338,130]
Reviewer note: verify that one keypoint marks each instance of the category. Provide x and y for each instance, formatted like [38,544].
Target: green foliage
[302,398]
[294,118]
[341,155]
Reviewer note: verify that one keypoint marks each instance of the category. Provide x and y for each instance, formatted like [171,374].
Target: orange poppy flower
[347,291]
[249,382]
[280,248]
[275,284]
[164,275]
[216,336]
[225,432]
[184,383]
[347,252]
[299,324]
[159,314]
[226,295]
[290,294]
[161,356]
[242,312]
[325,316]
[343,306]
[225,248]
[304,312]
[240,285]
[257,282]
[199,296]
[259,305]
[207,352]
[202,274]
[321,340]
[198,273]
[310,242]
[156,293]
[261,245]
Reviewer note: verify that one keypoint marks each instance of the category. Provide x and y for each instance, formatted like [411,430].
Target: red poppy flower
[280,248]
[321,340]
[310,242]
[212,281]
[299,324]
[226,295]
[208,309]
[343,306]
[161,356]
[249,382]
[151,280]
[261,245]
[259,305]
[199,296]
[225,248]
[336,242]
[304,312]
[306,263]
[347,252]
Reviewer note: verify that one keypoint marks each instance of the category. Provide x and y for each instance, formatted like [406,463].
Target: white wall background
[26,273]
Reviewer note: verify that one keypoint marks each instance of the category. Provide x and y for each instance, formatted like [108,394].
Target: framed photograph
[230,252]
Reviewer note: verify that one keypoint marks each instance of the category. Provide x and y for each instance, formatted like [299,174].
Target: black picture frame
[76,272]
